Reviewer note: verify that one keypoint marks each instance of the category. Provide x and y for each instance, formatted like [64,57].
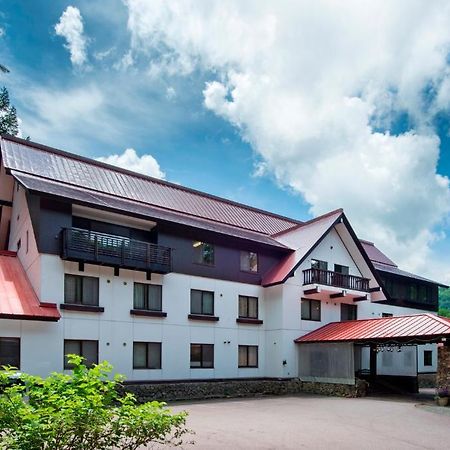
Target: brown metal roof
[92,176]
[421,327]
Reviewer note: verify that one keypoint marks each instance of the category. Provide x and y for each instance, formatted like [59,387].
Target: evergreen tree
[8,115]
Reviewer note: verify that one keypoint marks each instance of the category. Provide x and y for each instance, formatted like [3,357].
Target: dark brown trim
[338,294]
[203,317]
[29,317]
[5,203]
[311,291]
[249,321]
[375,289]
[147,313]
[82,308]
[360,299]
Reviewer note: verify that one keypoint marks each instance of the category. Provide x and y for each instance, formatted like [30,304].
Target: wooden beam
[338,294]
[315,290]
[360,299]
[375,289]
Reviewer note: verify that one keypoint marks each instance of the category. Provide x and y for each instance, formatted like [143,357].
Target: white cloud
[129,159]
[70,27]
[2,32]
[309,84]
[171,93]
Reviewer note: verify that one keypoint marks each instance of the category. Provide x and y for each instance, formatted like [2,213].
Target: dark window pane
[10,352]
[72,289]
[253,307]
[242,356]
[208,356]
[196,301]
[315,310]
[139,355]
[196,355]
[306,315]
[90,291]
[341,269]
[317,264]
[139,296]
[348,312]
[71,348]
[154,297]
[154,355]
[253,356]
[249,261]
[243,306]
[208,303]
[90,352]
[203,253]
[427,358]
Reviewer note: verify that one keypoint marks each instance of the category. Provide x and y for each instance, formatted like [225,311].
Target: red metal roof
[96,177]
[17,297]
[424,326]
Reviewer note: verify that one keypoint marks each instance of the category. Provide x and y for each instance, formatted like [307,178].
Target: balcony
[335,279]
[116,251]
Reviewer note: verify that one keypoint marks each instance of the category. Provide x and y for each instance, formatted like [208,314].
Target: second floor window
[248,307]
[348,312]
[203,253]
[311,310]
[87,349]
[317,264]
[249,261]
[147,297]
[343,270]
[202,302]
[10,352]
[80,290]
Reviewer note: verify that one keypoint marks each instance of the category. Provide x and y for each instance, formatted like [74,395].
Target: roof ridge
[382,318]
[180,187]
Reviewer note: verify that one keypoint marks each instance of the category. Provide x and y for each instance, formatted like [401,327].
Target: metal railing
[336,279]
[117,251]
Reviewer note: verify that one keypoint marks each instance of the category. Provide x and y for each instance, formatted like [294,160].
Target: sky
[296,107]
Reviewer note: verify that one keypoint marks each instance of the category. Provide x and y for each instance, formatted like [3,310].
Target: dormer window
[249,261]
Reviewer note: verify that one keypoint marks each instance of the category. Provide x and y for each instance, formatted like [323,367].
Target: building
[170,283]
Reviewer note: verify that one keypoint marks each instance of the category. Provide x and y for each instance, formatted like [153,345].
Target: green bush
[81,411]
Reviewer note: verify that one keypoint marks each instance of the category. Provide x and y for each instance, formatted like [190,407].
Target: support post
[373,360]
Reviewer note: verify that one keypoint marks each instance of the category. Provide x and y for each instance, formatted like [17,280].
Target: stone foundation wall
[443,369]
[199,390]
[426,380]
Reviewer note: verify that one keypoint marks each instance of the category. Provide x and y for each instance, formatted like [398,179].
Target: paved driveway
[315,422]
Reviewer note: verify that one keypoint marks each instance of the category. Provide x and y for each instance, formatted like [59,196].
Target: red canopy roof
[17,297]
[403,328]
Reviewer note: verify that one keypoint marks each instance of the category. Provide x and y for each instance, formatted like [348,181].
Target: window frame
[202,361]
[202,303]
[82,300]
[349,307]
[247,299]
[347,272]
[147,345]
[247,348]
[199,253]
[320,262]
[249,270]
[310,302]
[18,342]
[68,366]
[148,287]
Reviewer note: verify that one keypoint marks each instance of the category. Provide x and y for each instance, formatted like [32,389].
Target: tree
[8,115]
[81,411]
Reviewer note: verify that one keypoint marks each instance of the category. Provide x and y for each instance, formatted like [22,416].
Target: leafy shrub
[81,411]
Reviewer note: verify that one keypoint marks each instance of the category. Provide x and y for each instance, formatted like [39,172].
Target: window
[203,253]
[249,261]
[87,349]
[427,358]
[248,307]
[147,296]
[311,310]
[348,312]
[81,290]
[202,302]
[146,355]
[413,292]
[248,356]
[202,356]
[10,352]
[341,269]
[387,315]
[317,264]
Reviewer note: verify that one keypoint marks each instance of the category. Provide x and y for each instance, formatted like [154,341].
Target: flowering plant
[442,392]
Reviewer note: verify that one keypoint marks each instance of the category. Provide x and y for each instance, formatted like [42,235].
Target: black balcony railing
[117,251]
[336,279]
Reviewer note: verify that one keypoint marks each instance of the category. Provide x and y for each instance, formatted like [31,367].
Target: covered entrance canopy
[338,350]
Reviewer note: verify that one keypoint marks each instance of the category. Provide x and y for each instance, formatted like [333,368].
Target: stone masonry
[443,369]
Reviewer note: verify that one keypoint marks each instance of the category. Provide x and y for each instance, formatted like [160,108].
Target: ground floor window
[248,356]
[146,355]
[87,349]
[202,356]
[10,352]
[427,358]
[311,310]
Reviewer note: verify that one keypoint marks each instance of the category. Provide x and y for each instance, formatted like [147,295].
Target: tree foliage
[81,411]
[8,115]
[444,302]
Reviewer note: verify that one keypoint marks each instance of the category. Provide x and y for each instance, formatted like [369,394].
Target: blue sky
[297,108]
